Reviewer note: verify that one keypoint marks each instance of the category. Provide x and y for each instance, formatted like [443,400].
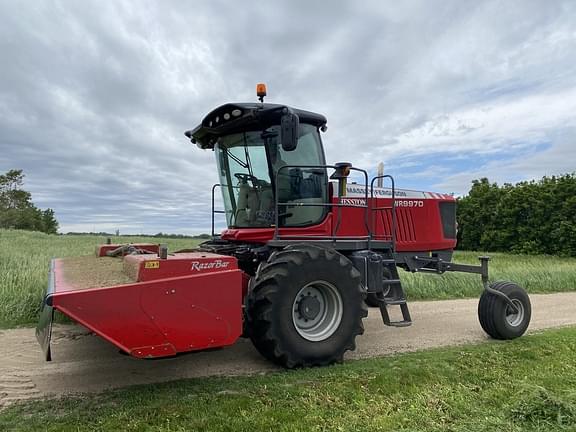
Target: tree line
[17,210]
[157,235]
[530,217]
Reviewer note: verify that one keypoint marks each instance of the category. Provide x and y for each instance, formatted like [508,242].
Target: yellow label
[152,264]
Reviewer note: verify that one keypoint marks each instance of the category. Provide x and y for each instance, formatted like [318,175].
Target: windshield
[248,164]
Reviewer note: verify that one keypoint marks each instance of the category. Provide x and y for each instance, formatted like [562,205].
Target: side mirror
[289,124]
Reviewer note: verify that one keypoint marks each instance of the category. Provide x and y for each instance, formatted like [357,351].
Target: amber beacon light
[261,91]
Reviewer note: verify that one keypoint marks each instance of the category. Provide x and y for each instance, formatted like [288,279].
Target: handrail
[338,205]
[393,207]
[369,209]
[215,211]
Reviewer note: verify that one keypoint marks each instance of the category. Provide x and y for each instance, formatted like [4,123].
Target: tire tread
[491,311]
[270,279]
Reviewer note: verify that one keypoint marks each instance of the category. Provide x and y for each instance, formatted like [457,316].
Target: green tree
[477,216]
[17,210]
[529,217]
[49,222]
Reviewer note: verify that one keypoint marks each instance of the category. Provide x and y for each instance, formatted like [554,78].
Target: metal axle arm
[437,265]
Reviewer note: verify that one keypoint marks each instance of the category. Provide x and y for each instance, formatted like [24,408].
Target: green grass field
[24,258]
[523,385]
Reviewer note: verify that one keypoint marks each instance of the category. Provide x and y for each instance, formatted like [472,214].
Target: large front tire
[497,318]
[306,307]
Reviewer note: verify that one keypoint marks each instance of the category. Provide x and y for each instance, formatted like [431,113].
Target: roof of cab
[237,117]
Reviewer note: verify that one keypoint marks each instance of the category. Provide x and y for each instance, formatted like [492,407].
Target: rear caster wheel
[500,320]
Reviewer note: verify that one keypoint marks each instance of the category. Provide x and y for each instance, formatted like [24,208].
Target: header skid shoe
[147,306]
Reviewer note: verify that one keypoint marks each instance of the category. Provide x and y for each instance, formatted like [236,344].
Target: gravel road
[82,362]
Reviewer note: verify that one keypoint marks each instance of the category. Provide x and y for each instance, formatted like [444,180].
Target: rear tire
[306,307]
[497,318]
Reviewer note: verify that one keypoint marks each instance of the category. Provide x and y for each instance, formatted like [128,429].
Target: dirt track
[83,362]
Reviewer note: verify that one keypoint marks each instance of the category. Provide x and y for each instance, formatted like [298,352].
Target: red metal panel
[203,311]
[161,318]
[265,234]
[419,227]
[146,268]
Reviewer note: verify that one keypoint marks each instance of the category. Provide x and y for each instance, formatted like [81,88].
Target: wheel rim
[515,318]
[317,311]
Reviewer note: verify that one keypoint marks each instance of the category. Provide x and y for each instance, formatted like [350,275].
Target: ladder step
[390,301]
[406,319]
[400,323]
[390,281]
[394,301]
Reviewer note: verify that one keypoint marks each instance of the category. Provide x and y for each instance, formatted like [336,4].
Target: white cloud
[492,127]
[94,97]
[558,158]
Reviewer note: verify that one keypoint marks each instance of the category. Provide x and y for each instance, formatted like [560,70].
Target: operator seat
[244,203]
[255,205]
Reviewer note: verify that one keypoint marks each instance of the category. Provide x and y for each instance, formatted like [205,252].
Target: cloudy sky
[95,96]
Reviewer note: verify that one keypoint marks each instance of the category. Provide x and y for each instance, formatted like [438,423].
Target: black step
[390,281]
[394,301]
[391,301]
[406,319]
[400,323]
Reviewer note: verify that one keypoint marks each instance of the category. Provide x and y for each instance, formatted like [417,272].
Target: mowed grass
[523,385]
[24,259]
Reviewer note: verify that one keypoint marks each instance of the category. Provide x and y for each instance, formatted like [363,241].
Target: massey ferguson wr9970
[306,250]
